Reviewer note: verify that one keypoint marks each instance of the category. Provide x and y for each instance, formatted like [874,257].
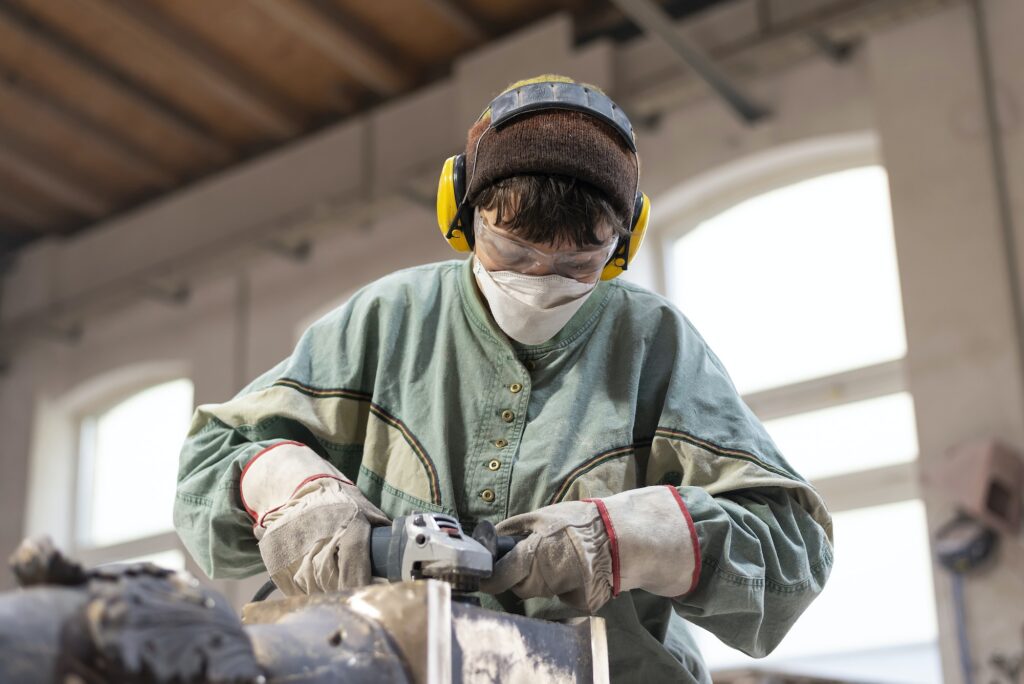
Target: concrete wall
[912,94]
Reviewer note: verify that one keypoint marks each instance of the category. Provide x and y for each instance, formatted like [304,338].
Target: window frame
[86,402]
[696,200]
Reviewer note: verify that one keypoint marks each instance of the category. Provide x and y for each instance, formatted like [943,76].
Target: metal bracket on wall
[69,333]
[839,51]
[294,250]
[169,293]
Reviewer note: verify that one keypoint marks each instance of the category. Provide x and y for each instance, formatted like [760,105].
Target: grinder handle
[383,562]
[380,541]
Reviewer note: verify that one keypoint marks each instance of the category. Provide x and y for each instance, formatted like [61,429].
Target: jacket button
[531,365]
[493,464]
[515,388]
[508,416]
[501,443]
[487,495]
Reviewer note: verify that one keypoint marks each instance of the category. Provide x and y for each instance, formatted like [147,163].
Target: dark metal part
[129,624]
[140,624]
[837,51]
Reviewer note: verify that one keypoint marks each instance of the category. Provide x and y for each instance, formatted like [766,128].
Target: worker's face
[500,250]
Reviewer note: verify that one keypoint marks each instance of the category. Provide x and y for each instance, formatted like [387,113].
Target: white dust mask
[530,309]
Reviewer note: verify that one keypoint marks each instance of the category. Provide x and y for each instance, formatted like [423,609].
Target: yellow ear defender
[454,216]
[451,188]
[629,246]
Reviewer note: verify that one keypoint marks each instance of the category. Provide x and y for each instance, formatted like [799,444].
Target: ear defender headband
[453,211]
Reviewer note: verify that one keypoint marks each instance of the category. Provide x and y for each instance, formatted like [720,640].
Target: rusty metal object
[140,624]
[438,641]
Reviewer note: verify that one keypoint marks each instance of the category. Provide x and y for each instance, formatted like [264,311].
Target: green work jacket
[413,392]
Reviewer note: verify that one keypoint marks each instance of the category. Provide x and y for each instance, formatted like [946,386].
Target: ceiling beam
[34,41]
[346,48]
[470,27]
[43,174]
[40,106]
[24,215]
[653,19]
[182,52]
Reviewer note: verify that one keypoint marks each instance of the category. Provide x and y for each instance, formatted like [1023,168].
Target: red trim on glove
[252,513]
[693,539]
[613,542]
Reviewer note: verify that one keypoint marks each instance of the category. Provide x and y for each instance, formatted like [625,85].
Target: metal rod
[999,175]
[657,22]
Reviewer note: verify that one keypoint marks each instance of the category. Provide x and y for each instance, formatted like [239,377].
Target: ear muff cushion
[450,189]
[623,257]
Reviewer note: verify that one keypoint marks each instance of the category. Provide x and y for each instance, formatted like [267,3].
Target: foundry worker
[526,386]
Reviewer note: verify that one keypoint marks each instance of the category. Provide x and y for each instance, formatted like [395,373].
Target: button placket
[493,476]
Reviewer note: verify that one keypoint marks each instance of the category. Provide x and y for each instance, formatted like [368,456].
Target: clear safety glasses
[511,255]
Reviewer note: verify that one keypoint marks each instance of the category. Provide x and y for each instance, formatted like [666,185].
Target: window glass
[842,439]
[797,283]
[130,464]
[875,619]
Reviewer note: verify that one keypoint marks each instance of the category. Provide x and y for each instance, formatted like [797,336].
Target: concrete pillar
[963,360]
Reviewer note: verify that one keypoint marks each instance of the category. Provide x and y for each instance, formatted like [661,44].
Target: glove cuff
[654,543]
[275,474]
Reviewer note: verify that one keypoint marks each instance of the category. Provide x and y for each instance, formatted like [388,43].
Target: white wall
[914,89]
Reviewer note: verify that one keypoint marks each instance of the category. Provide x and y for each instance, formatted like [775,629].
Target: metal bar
[654,20]
[43,44]
[659,96]
[41,105]
[345,48]
[994,135]
[185,53]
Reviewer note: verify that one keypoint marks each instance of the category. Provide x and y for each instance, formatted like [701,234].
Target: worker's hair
[551,209]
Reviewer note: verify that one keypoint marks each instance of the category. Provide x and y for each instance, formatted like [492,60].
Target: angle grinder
[431,546]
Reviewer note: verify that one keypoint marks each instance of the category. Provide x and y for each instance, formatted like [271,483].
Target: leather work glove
[313,524]
[587,552]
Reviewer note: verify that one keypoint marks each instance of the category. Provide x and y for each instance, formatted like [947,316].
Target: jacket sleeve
[763,537]
[320,405]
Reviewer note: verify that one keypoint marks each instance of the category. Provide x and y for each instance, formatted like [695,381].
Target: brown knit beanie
[554,141]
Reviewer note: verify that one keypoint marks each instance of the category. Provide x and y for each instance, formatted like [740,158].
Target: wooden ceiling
[105,104]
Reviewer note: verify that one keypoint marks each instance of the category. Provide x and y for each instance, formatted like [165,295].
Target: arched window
[128,461]
[797,291]
[105,466]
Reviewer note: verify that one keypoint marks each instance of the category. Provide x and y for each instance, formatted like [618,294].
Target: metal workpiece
[141,624]
[387,632]
[501,647]
[415,630]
